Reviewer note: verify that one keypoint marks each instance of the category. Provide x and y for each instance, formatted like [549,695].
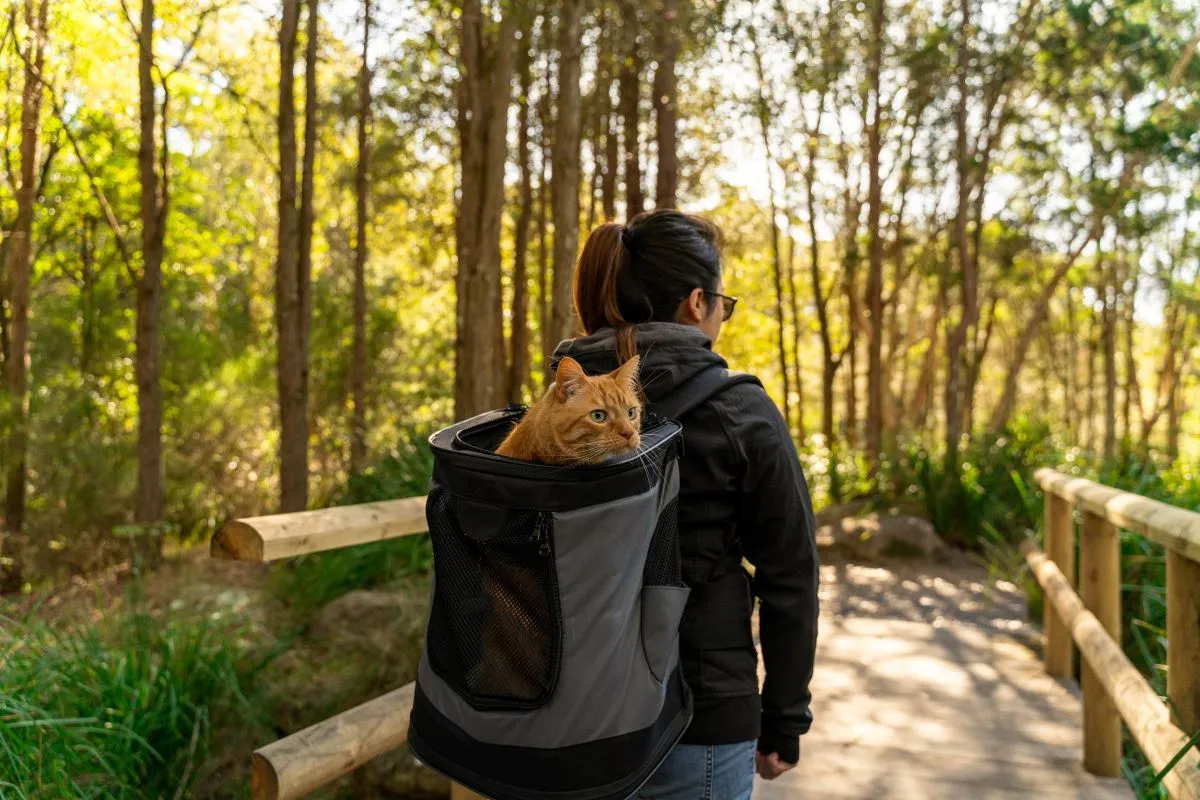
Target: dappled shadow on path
[925,689]
[953,589]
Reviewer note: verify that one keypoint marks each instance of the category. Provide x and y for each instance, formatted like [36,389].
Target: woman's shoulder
[747,412]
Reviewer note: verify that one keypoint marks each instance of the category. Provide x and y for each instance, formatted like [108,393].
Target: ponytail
[601,265]
[635,273]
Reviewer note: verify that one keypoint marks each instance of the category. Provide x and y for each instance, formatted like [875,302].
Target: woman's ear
[693,309]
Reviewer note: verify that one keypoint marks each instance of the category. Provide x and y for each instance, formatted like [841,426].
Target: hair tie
[625,237]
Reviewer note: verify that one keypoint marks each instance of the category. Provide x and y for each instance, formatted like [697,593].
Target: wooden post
[1060,548]
[1100,590]
[1183,640]
[463,793]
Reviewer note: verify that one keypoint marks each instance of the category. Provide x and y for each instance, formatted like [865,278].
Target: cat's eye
[599,416]
[633,412]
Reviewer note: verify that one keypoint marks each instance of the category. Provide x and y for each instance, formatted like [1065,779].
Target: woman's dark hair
[639,272]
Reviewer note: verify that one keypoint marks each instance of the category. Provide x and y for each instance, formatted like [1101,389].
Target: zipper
[541,535]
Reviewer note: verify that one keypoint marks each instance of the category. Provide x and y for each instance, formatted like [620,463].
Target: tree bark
[666,106]
[289,297]
[1174,414]
[518,374]
[20,269]
[629,99]
[1093,345]
[957,340]
[1132,390]
[829,365]
[358,361]
[484,94]
[612,143]
[1110,366]
[545,124]
[763,112]
[565,180]
[149,506]
[875,386]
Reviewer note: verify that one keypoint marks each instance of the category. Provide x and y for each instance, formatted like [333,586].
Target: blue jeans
[704,772]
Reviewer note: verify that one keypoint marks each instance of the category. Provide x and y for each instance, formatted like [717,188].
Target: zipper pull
[540,536]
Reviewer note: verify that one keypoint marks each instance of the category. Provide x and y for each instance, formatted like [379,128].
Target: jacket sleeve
[776,529]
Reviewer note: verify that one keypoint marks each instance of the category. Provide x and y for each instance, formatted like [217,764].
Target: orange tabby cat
[580,420]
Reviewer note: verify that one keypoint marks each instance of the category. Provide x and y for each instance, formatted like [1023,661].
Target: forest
[253,251]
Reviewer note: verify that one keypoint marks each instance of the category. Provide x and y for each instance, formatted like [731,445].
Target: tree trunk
[565,180]
[666,106]
[1132,389]
[545,124]
[612,144]
[518,374]
[20,269]
[1110,368]
[358,362]
[484,94]
[922,399]
[829,365]
[289,309]
[763,112]
[1174,413]
[629,99]
[875,387]
[957,340]
[1093,345]
[87,299]
[1071,373]
[149,506]
[797,377]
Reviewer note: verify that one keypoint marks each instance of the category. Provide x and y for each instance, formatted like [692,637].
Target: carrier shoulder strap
[702,386]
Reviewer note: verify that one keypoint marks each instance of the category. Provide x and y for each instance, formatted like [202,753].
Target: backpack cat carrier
[551,661]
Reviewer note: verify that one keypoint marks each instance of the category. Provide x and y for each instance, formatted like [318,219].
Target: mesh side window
[494,624]
[662,560]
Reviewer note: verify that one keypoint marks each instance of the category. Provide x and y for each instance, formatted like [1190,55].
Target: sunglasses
[728,304]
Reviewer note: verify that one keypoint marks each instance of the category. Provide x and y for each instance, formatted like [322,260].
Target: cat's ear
[569,377]
[627,373]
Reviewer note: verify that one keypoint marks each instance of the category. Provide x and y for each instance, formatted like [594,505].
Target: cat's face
[598,417]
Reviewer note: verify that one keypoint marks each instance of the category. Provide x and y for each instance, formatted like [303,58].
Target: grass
[122,710]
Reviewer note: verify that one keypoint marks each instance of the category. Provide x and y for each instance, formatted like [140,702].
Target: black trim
[580,772]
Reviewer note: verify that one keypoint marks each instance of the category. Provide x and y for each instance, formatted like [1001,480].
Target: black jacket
[742,493]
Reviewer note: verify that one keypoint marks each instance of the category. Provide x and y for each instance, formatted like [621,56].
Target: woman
[654,287]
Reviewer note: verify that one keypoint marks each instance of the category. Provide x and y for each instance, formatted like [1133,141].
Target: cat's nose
[628,434]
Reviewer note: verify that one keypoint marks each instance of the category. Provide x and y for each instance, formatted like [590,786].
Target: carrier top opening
[465,460]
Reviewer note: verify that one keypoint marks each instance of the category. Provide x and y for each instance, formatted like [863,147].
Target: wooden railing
[1113,689]
[299,764]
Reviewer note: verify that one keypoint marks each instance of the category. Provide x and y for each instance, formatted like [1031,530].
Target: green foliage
[116,711]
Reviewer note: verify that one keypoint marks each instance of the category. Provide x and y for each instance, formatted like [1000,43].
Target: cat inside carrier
[551,660]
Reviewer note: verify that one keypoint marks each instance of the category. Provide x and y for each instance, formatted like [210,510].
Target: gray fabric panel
[662,608]
[605,686]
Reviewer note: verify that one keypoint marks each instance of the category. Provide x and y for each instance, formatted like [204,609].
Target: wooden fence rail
[1112,687]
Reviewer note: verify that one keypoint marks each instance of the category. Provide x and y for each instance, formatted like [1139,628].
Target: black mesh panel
[662,561]
[494,628]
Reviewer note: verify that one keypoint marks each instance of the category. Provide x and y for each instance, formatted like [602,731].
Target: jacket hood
[671,354]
